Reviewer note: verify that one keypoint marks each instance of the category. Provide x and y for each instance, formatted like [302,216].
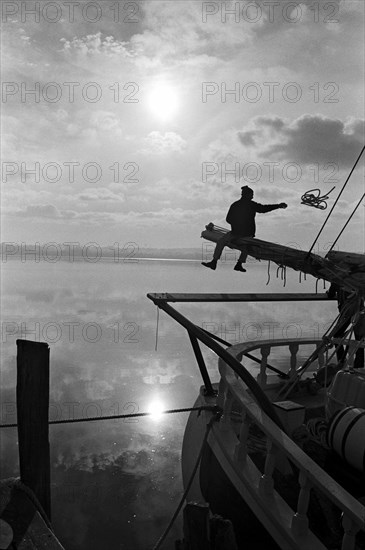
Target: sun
[156,409]
[163,101]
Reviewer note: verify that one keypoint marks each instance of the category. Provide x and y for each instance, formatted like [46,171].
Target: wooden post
[32,396]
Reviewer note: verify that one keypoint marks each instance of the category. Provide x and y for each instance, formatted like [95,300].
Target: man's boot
[211,265]
[238,267]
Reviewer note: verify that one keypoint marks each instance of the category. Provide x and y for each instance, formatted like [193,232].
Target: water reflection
[156,409]
[116,483]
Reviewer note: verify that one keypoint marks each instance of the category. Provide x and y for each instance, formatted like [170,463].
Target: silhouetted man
[241,217]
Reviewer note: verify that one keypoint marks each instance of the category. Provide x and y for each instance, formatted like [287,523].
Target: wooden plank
[231,297]
[32,393]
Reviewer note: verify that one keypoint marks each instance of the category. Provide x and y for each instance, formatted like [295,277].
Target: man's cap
[246,189]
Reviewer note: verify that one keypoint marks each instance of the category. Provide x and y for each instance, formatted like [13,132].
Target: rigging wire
[119,416]
[344,227]
[336,201]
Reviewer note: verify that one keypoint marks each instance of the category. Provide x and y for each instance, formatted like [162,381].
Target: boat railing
[233,396]
[265,347]
[322,356]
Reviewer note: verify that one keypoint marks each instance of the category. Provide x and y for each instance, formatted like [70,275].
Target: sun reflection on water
[156,409]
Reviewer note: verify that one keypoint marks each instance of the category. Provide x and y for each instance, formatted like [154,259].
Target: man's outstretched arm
[263,208]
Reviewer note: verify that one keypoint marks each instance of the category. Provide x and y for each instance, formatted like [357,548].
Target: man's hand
[283,205]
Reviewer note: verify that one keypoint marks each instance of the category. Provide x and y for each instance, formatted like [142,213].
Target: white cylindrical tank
[345,435]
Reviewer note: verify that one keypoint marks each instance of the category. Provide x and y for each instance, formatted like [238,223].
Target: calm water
[115,484]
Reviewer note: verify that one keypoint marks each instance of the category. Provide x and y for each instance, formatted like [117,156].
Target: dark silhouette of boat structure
[280,457]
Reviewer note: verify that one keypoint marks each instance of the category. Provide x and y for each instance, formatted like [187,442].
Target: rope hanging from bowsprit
[282,273]
[336,201]
[268,272]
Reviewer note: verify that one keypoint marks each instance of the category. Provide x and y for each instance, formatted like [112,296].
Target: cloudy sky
[147,117]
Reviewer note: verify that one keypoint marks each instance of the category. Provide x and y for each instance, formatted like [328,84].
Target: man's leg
[223,241]
[241,260]
[243,257]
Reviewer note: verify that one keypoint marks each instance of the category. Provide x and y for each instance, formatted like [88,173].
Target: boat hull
[211,484]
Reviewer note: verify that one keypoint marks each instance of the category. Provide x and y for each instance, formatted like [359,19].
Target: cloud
[41,211]
[160,144]
[100,194]
[307,139]
[176,33]
[50,212]
[94,44]
[175,42]
[105,120]
[95,128]
[275,123]
[314,138]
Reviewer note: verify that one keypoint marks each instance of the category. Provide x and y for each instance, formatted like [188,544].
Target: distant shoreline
[120,260]
[92,252]
[105,255]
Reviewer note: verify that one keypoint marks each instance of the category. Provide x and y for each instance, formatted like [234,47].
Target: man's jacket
[241,216]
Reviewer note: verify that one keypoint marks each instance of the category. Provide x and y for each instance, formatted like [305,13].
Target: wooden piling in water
[32,395]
